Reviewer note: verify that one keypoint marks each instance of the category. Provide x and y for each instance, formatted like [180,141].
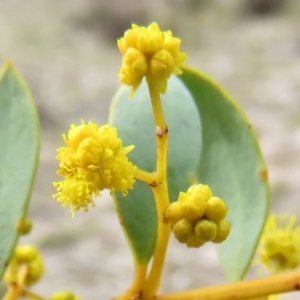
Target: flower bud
[206,230]
[223,230]
[26,253]
[136,61]
[29,257]
[215,209]
[183,230]
[200,191]
[193,209]
[195,242]
[36,270]
[162,64]
[174,212]
[24,226]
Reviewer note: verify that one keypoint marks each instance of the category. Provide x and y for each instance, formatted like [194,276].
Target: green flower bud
[36,270]
[24,226]
[215,209]
[223,230]
[174,212]
[193,209]
[25,256]
[200,191]
[195,242]
[183,230]
[206,230]
[26,253]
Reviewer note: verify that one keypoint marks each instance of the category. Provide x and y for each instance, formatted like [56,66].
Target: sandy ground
[66,51]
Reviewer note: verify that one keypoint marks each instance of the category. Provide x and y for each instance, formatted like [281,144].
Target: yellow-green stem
[147,177]
[136,287]
[244,290]
[16,288]
[161,131]
[22,275]
[160,191]
[163,234]
[13,293]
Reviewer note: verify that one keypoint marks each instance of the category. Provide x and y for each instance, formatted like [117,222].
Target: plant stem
[147,177]
[136,287]
[161,131]
[244,290]
[160,191]
[13,293]
[162,239]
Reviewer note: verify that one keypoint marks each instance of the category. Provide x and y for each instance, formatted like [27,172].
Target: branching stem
[244,290]
[147,177]
[160,191]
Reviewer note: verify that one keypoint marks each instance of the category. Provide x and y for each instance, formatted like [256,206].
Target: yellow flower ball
[279,246]
[149,52]
[93,159]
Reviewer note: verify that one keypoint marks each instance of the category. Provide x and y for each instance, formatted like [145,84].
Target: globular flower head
[28,257]
[279,247]
[149,52]
[92,160]
[198,217]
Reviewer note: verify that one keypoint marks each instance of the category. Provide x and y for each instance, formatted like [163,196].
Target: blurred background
[66,51]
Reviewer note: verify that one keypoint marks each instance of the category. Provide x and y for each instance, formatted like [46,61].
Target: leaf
[232,164]
[134,120]
[19,151]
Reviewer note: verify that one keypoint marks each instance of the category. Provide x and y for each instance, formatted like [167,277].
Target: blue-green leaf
[19,151]
[232,164]
[134,120]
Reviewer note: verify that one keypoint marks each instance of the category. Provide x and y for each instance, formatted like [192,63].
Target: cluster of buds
[198,217]
[149,52]
[26,266]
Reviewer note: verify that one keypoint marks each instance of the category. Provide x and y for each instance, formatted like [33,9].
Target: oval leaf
[19,149]
[232,164]
[134,120]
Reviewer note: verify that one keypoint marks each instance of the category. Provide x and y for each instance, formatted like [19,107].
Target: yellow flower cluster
[93,159]
[149,52]
[279,246]
[27,257]
[198,217]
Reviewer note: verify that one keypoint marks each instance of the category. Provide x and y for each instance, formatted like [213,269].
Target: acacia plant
[179,157]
